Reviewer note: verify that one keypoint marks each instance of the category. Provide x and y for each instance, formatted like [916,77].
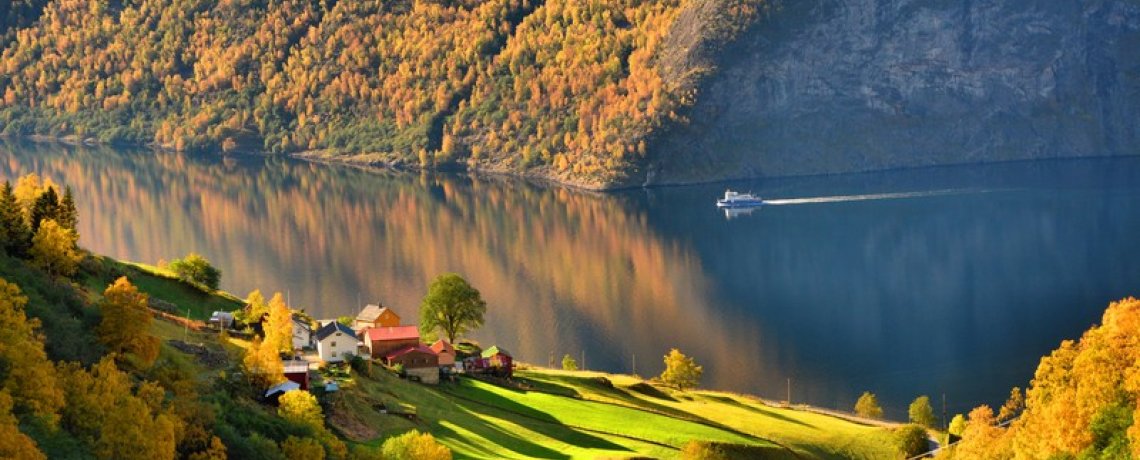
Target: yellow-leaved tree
[126,322]
[680,370]
[14,444]
[279,326]
[54,249]
[413,444]
[119,424]
[30,378]
[302,408]
[262,365]
[868,406]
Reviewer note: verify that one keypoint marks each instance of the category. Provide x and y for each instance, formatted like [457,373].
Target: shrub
[911,440]
[415,445]
[196,269]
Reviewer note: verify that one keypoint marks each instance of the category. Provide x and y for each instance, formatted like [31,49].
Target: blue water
[937,281]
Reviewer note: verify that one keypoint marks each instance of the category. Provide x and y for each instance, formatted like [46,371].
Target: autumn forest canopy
[569,89]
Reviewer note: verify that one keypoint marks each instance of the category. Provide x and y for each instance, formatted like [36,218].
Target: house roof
[494,350]
[442,346]
[330,328]
[283,387]
[408,349]
[295,366]
[392,333]
[372,311]
[301,322]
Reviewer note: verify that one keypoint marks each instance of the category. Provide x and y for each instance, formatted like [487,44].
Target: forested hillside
[1081,403]
[564,89]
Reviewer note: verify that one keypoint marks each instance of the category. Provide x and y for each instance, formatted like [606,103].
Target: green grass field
[578,415]
[159,283]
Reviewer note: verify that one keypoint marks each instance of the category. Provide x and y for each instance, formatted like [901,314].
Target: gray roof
[283,387]
[371,312]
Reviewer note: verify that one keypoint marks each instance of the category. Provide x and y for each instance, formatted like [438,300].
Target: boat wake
[870,197]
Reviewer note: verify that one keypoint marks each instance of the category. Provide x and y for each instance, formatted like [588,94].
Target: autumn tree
[196,269]
[255,306]
[54,249]
[29,378]
[302,448]
[126,320]
[14,444]
[302,408]
[279,325]
[14,231]
[982,438]
[28,189]
[681,371]
[451,305]
[415,445]
[868,406]
[1013,406]
[262,365]
[115,422]
[569,363]
[921,412]
[957,425]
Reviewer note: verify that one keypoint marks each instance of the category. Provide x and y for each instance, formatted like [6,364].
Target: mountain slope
[854,85]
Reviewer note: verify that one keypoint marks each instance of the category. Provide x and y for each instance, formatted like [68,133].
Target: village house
[495,361]
[419,362]
[221,320]
[383,340]
[336,342]
[376,316]
[445,351]
[302,333]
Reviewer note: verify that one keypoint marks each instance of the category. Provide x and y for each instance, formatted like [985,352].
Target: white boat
[738,200]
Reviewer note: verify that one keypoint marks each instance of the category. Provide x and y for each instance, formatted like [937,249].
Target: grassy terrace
[161,284]
[579,415]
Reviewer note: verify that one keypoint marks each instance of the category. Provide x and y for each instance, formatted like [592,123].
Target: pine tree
[67,215]
[45,207]
[14,231]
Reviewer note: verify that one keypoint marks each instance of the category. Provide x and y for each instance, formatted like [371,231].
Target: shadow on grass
[759,410]
[474,401]
[651,391]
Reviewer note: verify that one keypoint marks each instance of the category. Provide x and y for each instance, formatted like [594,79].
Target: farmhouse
[445,351]
[383,340]
[376,316]
[335,342]
[302,333]
[494,361]
[418,361]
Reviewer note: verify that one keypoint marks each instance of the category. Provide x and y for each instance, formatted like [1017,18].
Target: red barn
[383,340]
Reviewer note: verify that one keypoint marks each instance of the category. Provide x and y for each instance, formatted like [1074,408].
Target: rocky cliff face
[829,86]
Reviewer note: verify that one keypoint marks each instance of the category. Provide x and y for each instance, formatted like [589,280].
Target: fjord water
[938,281]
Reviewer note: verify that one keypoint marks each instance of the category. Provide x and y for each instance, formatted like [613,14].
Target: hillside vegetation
[564,89]
[1081,403]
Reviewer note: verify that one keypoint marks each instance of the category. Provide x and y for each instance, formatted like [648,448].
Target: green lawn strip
[813,434]
[606,418]
[478,431]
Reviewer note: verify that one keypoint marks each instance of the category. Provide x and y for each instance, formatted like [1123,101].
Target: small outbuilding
[418,361]
[336,342]
[275,392]
[297,371]
[445,351]
[221,319]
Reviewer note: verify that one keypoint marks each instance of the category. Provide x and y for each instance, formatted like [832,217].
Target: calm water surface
[942,281]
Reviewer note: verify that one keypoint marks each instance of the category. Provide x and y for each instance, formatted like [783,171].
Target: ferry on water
[738,200]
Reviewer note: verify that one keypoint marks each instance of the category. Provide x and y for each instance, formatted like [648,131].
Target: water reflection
[956,293]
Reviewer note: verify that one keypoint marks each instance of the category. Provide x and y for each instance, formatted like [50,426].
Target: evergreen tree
[67,215]
[46,207]
[14,231]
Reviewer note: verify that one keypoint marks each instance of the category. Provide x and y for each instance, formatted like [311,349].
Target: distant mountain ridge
[598,94]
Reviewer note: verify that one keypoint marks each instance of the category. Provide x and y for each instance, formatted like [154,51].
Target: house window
[333,344]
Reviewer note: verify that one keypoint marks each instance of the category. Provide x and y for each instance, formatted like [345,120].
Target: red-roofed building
[445,351]
[383,340]
[418,360]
